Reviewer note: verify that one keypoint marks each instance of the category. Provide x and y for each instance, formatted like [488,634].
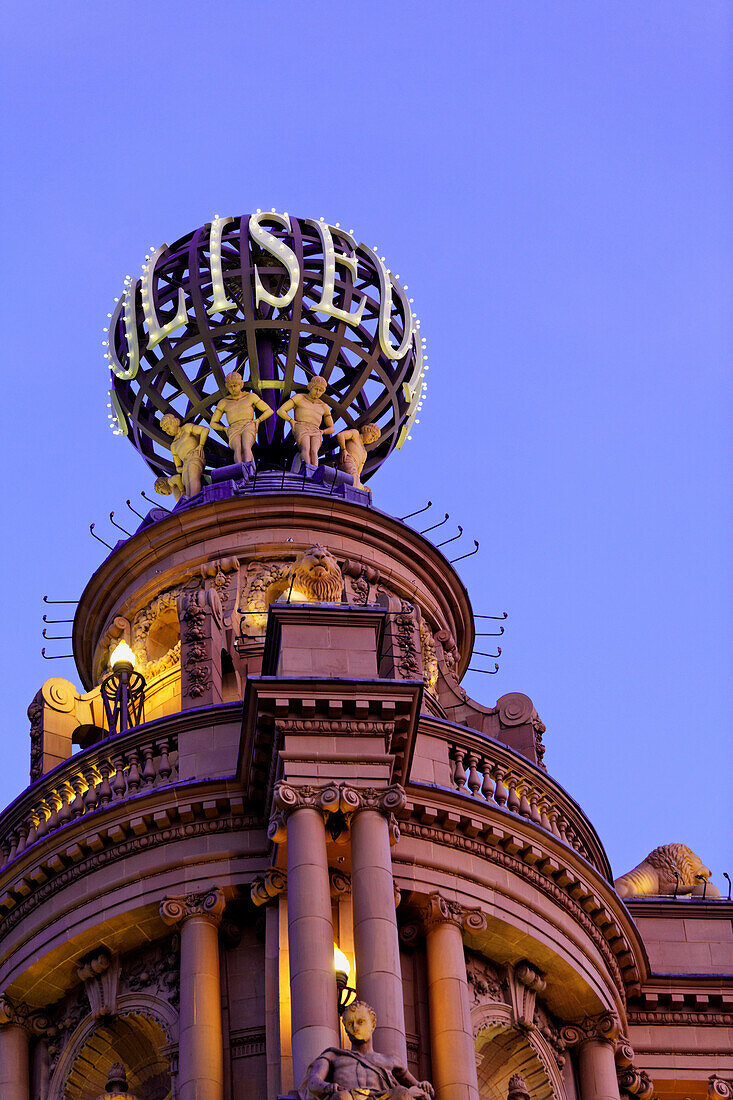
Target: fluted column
[200,1058]
[314,1000]
[596,1038]
[14,1063]
[452,1048]
[376,938]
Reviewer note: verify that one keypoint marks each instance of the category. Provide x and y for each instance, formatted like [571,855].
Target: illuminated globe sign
[279,299]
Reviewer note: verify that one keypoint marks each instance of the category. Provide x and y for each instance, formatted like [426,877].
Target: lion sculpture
[316,576]
[656,874]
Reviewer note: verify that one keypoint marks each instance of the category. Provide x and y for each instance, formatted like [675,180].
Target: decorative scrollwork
[208,904]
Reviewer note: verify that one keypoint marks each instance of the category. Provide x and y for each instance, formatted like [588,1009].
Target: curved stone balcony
[490,774]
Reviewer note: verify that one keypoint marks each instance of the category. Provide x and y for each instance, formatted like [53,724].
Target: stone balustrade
[115,769]
[493,774]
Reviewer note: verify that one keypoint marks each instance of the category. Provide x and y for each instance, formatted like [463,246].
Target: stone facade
[311,773]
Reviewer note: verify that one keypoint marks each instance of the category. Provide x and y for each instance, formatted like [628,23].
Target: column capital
[11,1013]
[208,903]
[604,1027]
[440,910]
[334,798]
[268,886]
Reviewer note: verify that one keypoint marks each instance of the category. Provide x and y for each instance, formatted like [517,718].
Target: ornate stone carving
[719,1087]
[447,654]
[604,1026]
[12,1012]
[525,982]
[311,418]
[636,1082]
[268,886]
[441,910]
[316,575]
[35,716]
[359,580]
[550,1032]
[361,1071]
[333,799]
[517,1088]
[656,874]
[63,1019]
[154,969]
[485,980]
[429,660]
[209,904]
[100,972]
[339,882]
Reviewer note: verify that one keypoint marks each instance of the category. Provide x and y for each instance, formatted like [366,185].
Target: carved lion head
[316,574]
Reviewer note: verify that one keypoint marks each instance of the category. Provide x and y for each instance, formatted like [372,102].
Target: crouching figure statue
[361,1073]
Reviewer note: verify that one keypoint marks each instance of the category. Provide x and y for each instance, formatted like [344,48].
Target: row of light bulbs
[112,417]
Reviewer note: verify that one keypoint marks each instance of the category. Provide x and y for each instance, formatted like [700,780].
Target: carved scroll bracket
[100,972]
[209,904]
[604,1027]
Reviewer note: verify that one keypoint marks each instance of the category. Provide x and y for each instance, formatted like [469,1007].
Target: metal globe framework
[248,294]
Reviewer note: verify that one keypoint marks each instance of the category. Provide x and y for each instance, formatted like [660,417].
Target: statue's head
[359,1020]
[317,386]
[317,575]
[370,433]
[234,382]
[170,424]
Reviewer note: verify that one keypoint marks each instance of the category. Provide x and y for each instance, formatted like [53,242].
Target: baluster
[501,793]
[474,779]
[66,800]
[90,796]
[534,812]
[459,772]
[149,767]
[562,828]
[512,801]
[524,809]
[5,849]
[22,834]
[13,845]
[32,830]
[553,815]
[487,789]
[164,764]
[55,802]
[133,775]
[105,790]
[544,819]
[42,827]
[77,806]
[119,783]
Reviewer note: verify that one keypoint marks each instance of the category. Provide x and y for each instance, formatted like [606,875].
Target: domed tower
[268,793]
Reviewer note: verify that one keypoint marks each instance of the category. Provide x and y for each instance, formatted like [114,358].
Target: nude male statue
[239,408]
[310,414]
[361,1073]
[187,449]
[353,443]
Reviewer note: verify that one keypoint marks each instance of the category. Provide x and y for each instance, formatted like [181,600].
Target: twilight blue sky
[552,178]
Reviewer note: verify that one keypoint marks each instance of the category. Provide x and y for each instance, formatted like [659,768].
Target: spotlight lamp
[123,691]
[342,966]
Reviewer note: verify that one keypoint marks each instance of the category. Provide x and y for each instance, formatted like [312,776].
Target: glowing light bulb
[122,655]
[340,962]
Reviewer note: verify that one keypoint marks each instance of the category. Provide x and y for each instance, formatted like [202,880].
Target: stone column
[314,1000]
[14,1061]
[451,1034]
[376,939]
[596,1039]
[200,1057]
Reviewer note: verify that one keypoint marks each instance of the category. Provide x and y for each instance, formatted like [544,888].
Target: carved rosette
[332,799]
[208,904]
[268,886]
[441,910]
